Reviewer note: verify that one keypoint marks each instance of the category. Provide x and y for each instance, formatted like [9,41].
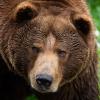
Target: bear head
[48,42]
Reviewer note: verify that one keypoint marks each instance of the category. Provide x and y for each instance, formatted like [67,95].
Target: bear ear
[85,27]
[25,11]
[83,24]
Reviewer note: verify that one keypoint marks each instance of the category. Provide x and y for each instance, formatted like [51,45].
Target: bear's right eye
[36,50]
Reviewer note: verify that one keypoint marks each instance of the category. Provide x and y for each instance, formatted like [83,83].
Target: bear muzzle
[45,76]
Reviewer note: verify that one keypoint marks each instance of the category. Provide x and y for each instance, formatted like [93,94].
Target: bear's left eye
[61,53]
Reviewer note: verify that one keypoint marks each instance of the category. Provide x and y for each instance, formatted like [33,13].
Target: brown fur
[55,37]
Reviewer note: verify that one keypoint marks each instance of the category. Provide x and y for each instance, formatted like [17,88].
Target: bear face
[46,42]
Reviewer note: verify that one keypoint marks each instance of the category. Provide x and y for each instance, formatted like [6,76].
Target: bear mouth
[44,90]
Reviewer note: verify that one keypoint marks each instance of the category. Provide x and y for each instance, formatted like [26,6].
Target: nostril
[44,80]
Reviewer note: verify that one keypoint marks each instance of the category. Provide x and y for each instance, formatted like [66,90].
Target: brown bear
[50,49]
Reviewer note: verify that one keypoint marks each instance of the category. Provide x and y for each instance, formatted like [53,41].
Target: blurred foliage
[95,10]
[94,6]
[33,97]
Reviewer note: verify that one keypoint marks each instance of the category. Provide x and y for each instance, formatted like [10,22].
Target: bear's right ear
[25,11]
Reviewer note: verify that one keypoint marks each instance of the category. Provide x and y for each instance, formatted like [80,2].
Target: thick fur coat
[51,38]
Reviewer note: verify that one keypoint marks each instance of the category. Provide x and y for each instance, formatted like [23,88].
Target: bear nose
[44,81]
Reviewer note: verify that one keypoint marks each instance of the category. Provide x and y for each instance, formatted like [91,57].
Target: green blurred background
[94,6]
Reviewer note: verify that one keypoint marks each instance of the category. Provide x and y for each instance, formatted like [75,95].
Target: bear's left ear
[86,29]
[83,24]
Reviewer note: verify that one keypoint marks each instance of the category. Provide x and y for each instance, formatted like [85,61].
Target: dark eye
[61,53]
[36,50]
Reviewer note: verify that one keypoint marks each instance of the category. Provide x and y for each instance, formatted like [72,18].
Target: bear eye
[61,53]
[36,50]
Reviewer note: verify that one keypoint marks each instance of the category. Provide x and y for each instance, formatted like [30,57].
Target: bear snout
[44,81]
[47,78]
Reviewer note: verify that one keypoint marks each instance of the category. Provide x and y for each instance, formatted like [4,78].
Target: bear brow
[50,41]
[50,1]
